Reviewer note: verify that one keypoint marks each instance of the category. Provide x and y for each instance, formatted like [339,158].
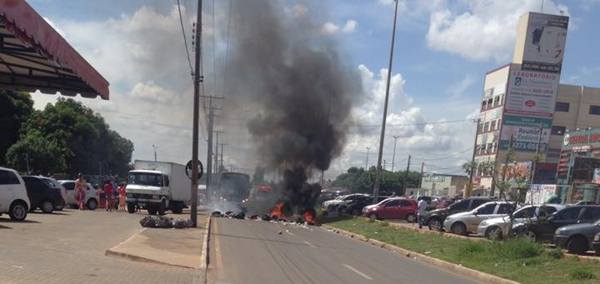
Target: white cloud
[330,28]
[55,27]
[350,26]
[459,88]
[484,30]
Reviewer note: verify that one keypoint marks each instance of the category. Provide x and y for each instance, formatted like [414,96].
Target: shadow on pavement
[4,227]
[331,219]
[3,220]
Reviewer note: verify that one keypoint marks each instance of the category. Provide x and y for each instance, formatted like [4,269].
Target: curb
[477,275]
[204,255]
[110,252]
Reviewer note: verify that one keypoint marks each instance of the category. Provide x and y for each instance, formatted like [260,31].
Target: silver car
[467,222]
[497,228]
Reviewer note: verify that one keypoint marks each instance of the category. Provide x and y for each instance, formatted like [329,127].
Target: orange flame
[277,211]
[309,216]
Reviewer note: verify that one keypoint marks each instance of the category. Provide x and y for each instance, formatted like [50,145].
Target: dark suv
[356,206]
[42,195]
[543,229]
[434,219]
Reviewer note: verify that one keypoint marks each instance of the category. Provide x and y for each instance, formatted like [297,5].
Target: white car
[497,228]
[467,222]
[13,195]
[91,200]
[341,202]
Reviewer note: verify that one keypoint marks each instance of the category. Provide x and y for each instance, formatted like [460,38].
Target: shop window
[558,130]
[595,110]
[562,107]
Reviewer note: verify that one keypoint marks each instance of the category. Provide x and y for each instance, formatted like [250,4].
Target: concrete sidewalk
[175,247]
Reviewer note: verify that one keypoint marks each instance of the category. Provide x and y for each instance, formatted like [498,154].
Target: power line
[416,123]
[187,50]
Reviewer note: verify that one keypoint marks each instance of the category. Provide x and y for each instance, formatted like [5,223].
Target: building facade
[525,111]
[443,185]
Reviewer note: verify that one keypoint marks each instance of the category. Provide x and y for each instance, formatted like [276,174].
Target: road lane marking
[309,244]
[358,272]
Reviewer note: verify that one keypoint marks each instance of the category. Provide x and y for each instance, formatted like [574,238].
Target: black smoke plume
[295,81]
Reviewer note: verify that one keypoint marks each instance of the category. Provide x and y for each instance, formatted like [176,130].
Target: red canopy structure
[34,56]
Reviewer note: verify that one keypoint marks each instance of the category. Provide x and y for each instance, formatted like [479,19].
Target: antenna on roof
[542,8]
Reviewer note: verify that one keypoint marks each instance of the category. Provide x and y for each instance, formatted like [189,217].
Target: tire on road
[494,233]
[459,228]
[577,245]
[411,218]
[91,204]
[18,211]
[47,206]
[373,216]
[131,208]
[435,224]
[529,235]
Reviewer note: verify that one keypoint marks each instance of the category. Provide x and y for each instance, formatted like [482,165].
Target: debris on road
[164,222]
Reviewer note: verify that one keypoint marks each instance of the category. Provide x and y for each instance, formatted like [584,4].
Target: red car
[393,208]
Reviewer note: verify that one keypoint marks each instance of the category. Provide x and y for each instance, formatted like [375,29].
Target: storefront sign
[525,133]
[545,42]
[532,93]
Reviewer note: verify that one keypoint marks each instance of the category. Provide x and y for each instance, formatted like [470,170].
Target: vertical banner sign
[545,42]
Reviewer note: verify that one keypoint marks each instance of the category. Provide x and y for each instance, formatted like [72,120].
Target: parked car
[42,195]
[393,208]
[497,228]
[587,202]
[356,206]
[596,244]
[577,238]
[467,222]
[13,195]
[91,200]
[434,219]
[340,203]
[543,229]
[58,186]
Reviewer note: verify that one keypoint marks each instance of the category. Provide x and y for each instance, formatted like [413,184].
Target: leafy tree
[360,180]
[90,145]
[15,108]
[37,154]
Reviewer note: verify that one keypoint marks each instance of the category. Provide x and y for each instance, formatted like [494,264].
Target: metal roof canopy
[34,56]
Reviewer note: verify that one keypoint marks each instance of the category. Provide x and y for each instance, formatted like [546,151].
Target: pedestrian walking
[421,210]
[108,193]
[80,187]
[122,197]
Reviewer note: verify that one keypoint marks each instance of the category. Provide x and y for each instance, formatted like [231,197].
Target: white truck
[157,187]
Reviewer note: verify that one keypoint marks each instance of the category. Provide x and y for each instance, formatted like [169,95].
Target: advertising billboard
[545,42]
[532,93]
[525,132]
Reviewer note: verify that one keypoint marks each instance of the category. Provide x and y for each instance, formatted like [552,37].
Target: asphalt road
[248,251]
[68,247]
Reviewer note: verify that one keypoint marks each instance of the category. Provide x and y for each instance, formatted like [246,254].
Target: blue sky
[443,49]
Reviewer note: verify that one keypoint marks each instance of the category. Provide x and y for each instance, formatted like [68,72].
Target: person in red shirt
[108,192]
[122,197]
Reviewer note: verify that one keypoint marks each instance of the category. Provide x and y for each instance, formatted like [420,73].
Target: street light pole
[154,147]
[394,155]
[367,159]
[197,80]
[387,97]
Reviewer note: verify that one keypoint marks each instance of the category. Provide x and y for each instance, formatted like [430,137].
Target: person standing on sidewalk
[421,210]
[122,197]
[80,187]
[108,192]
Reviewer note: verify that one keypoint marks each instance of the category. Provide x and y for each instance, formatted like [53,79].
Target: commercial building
[443,185]
[525,111]
[578,172]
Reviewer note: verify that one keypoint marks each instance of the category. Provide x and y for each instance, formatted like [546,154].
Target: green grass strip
[515,259]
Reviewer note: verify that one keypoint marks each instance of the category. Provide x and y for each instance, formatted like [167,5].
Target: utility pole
[394,155]
[467,193]
[221,164]
[216,166]
[421,177]
[197,79]
[154,147]
[367,159]
[406,176]
[385,106]
[537,155]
